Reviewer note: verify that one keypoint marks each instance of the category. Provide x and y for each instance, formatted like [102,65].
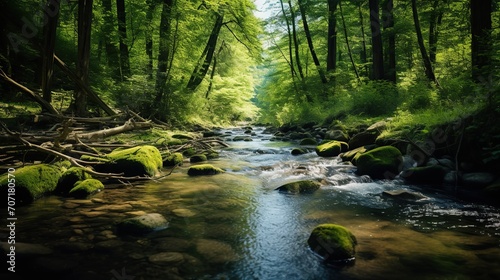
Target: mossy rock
[308,142]
[493,191]
[189,152]
[86,188]
[174,159]
[198,158]
[306,186]
[433,174]
[31,182]
[331,148]
[204,169]
[136,161]
[333,242]
[143,224]
[69,178]
[380,163]
[298,151]
[211,154]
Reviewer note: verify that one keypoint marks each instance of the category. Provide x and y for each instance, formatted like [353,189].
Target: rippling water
[236,226]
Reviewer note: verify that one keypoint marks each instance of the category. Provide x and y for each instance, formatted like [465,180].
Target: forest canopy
[214,62]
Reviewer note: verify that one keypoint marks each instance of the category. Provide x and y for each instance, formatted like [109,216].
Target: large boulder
[353,154]
[333,242]
[363,138]
[432,175]
[143,224]
[380,163]
[31,182]
[305,186]
[337,135]
[331,148]
[137,161]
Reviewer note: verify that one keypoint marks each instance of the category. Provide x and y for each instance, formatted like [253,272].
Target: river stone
[31,182]
[306,186]
[333,242]
[204,169]
[25,249]
[434,174]
[216,252]
[477,180]
[183,213]
[405,195]
[380,163]
[174,159]
[143,224]
[331,148]
[166,258]
[298,151]
[308,142]
[337,135]
[69,178]
[86,188]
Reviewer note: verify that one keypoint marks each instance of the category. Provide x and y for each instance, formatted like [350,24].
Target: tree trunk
[331,60]
[151,4]
[310,42]
[364,55]
[112,55]
[84,30]
[296,42]
[481,28]
[163,50]
[347,42]
[388,20]
[429,72]
[290,50]
[434,22]
[122,35]
[49,43]
[205,60]
[377,46]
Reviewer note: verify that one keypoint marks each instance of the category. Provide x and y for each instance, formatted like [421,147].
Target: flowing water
[237,226]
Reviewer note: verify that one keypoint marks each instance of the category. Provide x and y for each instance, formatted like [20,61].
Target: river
[237,226]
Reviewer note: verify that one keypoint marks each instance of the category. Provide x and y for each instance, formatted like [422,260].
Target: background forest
[214,62]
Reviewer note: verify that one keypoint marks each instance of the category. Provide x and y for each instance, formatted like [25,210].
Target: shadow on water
[236,226]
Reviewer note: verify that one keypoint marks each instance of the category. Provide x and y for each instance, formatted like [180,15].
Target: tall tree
[163,50]
[429,72]
[151,4]
[377,46]
[83,60]
[321,73]
[435,20]
[51,17]
[122,35]
[349,51]
[296,41]
[363,55]
[112,54]
[331,60]
[290,48]
[481,46]
[389,33]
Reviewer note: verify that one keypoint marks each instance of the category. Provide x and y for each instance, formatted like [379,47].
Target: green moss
[204,169]
[136,161]
[174,142]
[331,148]
[211,154]
[174,159]
[69,178]
[32,182]
[306,186]
[189,152]
[380,163]
[333,242]
[198,158]
[86,188]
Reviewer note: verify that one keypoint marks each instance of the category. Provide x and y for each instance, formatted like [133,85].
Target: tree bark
[151,4]
[481,28]
[112,53]
[389,32]
[429,72]
[321,73]
[205,60]
[331,60]
[296,43]
[84,30]
[347,42]
[49,43]
[163,50]
[377,46]
[122,35]
[436,17]
[290,48]
[364,55]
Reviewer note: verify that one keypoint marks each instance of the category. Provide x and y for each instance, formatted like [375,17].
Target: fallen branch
[128,126]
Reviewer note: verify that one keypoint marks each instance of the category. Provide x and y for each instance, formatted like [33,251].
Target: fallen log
[101,134]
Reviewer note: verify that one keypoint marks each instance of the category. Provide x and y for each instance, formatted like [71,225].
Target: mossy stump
[31,182]
[334,243]
[204,169]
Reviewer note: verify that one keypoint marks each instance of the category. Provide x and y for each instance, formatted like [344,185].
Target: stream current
[237,226]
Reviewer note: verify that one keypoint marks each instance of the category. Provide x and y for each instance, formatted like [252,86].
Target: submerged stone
[143,224]
[334,243]
[306,186]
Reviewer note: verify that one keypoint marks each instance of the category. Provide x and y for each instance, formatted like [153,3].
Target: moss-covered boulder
[308,142]
[136,161]
[143,224]
[31,182]
[69,178]
[86,188]
[433,175]
[305,186]
[337,135]
[331,148]
[211,154]
[380,163]
[333,242]
[198,158]
[353,155]
[174,159]
[204,169]
[298,151]
[363,138]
